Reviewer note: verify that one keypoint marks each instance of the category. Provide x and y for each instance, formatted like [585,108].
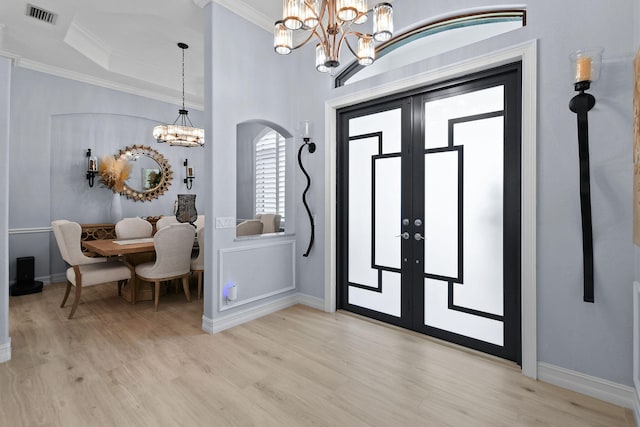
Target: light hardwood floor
[116,364]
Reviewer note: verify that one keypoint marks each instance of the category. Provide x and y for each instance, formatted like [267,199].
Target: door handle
[418,236]
[404,235]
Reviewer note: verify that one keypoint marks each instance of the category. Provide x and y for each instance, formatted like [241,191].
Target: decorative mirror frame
[165,167]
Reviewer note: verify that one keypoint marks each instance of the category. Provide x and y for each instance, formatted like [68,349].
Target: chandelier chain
[183,78]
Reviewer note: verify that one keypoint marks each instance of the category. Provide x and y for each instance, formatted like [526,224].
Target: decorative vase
[116,208]
[186,211]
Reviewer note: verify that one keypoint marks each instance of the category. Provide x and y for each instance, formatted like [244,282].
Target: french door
[428,234]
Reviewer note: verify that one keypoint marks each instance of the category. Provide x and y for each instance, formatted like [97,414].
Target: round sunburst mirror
[150,174]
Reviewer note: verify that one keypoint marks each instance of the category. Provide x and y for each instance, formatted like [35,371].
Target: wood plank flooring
[116,364]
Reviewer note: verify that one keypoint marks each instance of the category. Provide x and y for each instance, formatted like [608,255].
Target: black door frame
[412,103]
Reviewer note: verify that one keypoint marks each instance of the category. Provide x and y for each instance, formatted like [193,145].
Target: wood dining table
[120,247]
[129,250]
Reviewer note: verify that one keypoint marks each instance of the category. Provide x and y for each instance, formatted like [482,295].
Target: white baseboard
[5,351]
[611,392]
[213,326]
[309,301]
[636,408]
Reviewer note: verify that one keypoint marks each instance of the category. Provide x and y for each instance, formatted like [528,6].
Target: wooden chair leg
[157,293]
[200,284]
[66,294]
[76,300]
[133,285]
[185,286]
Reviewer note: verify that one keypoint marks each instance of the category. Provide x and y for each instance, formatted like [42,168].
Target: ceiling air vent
[41,14]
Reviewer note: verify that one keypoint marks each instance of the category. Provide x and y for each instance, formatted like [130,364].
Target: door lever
[404,235]
[418,236]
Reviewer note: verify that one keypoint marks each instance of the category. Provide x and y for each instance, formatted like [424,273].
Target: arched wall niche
[248,133]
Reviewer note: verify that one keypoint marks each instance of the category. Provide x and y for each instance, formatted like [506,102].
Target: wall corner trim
[602,389]
[5,351]
[213,326]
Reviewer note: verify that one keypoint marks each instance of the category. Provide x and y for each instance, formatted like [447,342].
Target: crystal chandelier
[331,22]
[181,132]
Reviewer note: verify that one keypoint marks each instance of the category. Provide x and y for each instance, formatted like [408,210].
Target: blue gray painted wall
[5,92]
[54,121]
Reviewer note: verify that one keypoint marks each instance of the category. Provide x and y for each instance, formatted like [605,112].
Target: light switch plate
[225,222]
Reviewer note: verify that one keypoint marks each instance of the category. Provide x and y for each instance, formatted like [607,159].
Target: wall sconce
[305,131]
[92,167]
[191,174]
[585,66]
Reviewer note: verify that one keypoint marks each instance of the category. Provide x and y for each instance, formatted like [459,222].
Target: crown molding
[88,44]
[201,3]
[243,10]
[84,78]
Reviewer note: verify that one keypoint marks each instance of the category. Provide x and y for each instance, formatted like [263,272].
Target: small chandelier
[181,132]
[331,21]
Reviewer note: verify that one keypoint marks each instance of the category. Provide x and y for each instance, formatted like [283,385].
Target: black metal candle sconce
[190,173]
[311,147]
[92,167]
[586,65]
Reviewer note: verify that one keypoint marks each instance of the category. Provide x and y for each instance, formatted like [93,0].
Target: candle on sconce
[190,172]
[93,166]
[305,129]
[583,69]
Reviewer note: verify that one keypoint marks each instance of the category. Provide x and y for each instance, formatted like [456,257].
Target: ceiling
[129,45]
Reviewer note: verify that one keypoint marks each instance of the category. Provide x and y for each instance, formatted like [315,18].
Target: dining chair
[249,227]
[270,222]
[173,246]
[133,228]
[166,221]
[197,263]
[85,271]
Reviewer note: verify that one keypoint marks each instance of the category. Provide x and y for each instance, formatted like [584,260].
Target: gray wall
[54,121]
[242,88]
[5,85]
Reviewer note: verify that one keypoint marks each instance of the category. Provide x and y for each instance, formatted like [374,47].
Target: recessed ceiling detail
[41,14]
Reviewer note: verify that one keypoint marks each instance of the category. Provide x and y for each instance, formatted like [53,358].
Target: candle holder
[92,167]
[585,67]
[305,131]
[190,173]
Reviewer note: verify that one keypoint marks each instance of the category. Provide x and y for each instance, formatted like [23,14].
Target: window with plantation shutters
[270,174]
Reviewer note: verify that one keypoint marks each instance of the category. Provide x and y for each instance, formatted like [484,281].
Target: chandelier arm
[350,48]
[343,37]
[318,17]
[305,41]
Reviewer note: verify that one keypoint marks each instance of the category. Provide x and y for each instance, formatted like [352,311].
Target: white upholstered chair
[270,222]
[249,227]
[173,246]
[84,271]
[166,221]
[133,228]
[197,263]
